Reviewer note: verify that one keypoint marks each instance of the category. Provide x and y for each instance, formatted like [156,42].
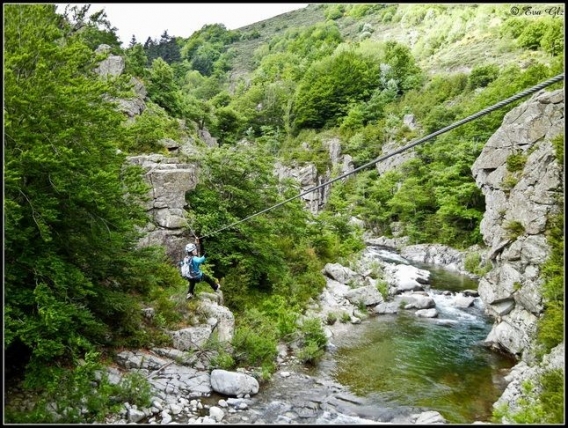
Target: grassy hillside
[442,37]
[243,61]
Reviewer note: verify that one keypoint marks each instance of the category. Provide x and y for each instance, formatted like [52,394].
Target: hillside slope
[442,37]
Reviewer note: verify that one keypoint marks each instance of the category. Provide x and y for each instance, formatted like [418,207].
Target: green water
[403,360]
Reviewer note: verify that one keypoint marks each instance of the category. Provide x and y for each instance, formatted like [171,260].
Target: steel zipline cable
[403,149]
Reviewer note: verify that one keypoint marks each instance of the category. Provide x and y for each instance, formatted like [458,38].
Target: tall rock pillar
[522,182]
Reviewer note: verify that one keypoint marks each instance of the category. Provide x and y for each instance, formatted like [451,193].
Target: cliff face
[518,173]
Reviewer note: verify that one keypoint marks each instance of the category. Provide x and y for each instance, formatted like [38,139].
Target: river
[402,360]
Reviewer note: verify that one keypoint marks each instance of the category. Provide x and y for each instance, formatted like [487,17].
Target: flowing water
[402,360]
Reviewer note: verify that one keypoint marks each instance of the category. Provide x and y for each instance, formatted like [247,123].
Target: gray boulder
[340,273]
[233,383]
[366,296]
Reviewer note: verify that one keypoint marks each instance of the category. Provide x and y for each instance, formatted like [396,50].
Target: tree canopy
[71,205]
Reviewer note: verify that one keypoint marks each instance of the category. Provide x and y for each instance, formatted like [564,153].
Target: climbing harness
[404,148]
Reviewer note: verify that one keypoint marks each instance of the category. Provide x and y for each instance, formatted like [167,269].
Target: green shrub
[541,405]
[472,261]
[482,75]
[516,162]
[383,288]
[361,10]
[473,264]
[514,229]
[558,144]
[75,396]
[134,389]
[334,11]
[309,353]
[551,396]
[513,27]
[313,341]
[143,134]
[331,318]
[532,34]
[284,316]
[509,181]
[255,339]
[552,41]
[224,361]
[551,324]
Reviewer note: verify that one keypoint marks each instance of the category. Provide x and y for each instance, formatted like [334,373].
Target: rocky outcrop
[113,66]
[519,200]
[135,105]
[169,179]
[393,162]
[308,177]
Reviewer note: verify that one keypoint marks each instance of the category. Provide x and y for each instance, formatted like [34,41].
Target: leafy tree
[94,29]
[142,134]
[215,34]
[334,11]
[278,66]
[265,104]
[482,75]
[513,27]
[257,256]
[552,41]
[229,123]
[206,49]
[168,48]
[532,34]
[402,67]
[331,85]
[71,206]
[204,58]
[162,88]
[361,10]
[136,61]
[311,44]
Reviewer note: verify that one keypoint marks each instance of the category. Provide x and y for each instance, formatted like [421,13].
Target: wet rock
[463,302]
[427,313]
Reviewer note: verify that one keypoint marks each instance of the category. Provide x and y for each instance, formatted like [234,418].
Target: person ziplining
[190,269]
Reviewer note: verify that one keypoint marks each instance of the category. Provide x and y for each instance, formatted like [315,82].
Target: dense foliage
[71,205]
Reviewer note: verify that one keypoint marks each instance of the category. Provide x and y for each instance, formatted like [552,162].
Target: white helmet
[190,248]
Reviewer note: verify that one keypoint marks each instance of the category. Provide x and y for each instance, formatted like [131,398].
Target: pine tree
[133,42]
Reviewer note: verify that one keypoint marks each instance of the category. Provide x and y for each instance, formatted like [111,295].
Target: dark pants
[192,283]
